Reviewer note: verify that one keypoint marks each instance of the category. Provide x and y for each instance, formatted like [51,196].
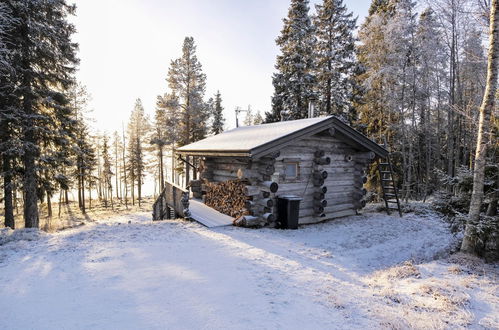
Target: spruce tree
[9,117]
[218,123]
[43,60]
[294,80]
[335,57]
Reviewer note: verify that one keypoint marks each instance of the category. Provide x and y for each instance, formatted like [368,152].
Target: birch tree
[469,243]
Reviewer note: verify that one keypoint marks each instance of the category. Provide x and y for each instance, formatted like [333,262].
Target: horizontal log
[328,209]
[322,203]
[319,209]
[319,153]
[272,155]
[271,186]
[360,204]
[248,221]
[318,195]
[318,182]
[318,175]
[363,156]
[258,210]
[314,219]
[267,202]
[269,217]
[252,190]
[322,161]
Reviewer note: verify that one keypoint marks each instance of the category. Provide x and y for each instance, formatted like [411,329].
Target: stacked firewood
[227,197]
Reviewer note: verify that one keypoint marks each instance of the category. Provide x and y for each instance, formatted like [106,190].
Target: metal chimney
[311,107]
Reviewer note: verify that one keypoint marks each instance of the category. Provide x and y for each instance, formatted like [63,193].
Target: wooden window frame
[290,161]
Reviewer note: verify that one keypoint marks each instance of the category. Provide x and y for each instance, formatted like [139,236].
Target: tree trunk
[161,173]
[7,189]
[139,189]
[79,182]
[83,195]
[492,208]
[31,218]
[469,244]
[124,170]
[49,206]
[60,202]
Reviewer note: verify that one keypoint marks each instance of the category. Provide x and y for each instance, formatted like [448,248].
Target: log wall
[330,182]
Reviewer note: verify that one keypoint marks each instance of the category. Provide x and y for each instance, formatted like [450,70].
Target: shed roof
[256,141]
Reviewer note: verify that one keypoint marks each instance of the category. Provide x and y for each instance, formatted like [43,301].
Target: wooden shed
[321,160]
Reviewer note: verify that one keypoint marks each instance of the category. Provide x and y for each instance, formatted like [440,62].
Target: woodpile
[227,197]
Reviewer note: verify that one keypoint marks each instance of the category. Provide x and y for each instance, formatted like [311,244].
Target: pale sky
[126,47]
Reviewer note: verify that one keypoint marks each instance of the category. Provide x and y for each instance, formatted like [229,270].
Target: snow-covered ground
[126,272]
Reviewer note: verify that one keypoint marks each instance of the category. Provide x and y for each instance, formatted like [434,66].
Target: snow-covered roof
[254,141]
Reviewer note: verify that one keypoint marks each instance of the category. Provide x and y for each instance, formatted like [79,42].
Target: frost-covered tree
[188,82]
[107,173]
[294,80]
[43,61]
[159,138]
[335,57]
[138,127]
[248,119]
[257,119]
[9,118]
[217,126]
[471,237]
[84,152]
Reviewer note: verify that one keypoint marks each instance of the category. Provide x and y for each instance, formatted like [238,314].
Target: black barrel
[288,210]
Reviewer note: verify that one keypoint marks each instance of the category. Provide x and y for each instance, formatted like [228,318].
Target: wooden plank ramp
[207,216]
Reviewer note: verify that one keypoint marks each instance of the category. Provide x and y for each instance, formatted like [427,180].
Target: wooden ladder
[390,195]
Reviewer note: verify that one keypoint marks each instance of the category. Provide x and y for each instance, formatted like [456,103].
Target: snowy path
[180,275]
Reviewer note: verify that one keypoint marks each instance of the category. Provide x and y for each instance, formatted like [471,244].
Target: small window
[291,170]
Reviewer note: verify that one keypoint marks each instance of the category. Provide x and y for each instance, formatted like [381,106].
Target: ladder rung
[384,163]
[394,202]
[385,172]
[387,179]
[390,195]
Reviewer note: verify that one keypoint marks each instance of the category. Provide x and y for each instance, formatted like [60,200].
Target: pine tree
[335,57]
[107,172]
[173,118]
[138,127]
[218,123]
[43,60]
[294,80]
[83,149]
[159,139]
[188,82]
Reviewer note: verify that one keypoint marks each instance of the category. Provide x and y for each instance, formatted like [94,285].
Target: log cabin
[321,160]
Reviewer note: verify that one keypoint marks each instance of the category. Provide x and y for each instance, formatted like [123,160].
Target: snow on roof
[246,138]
